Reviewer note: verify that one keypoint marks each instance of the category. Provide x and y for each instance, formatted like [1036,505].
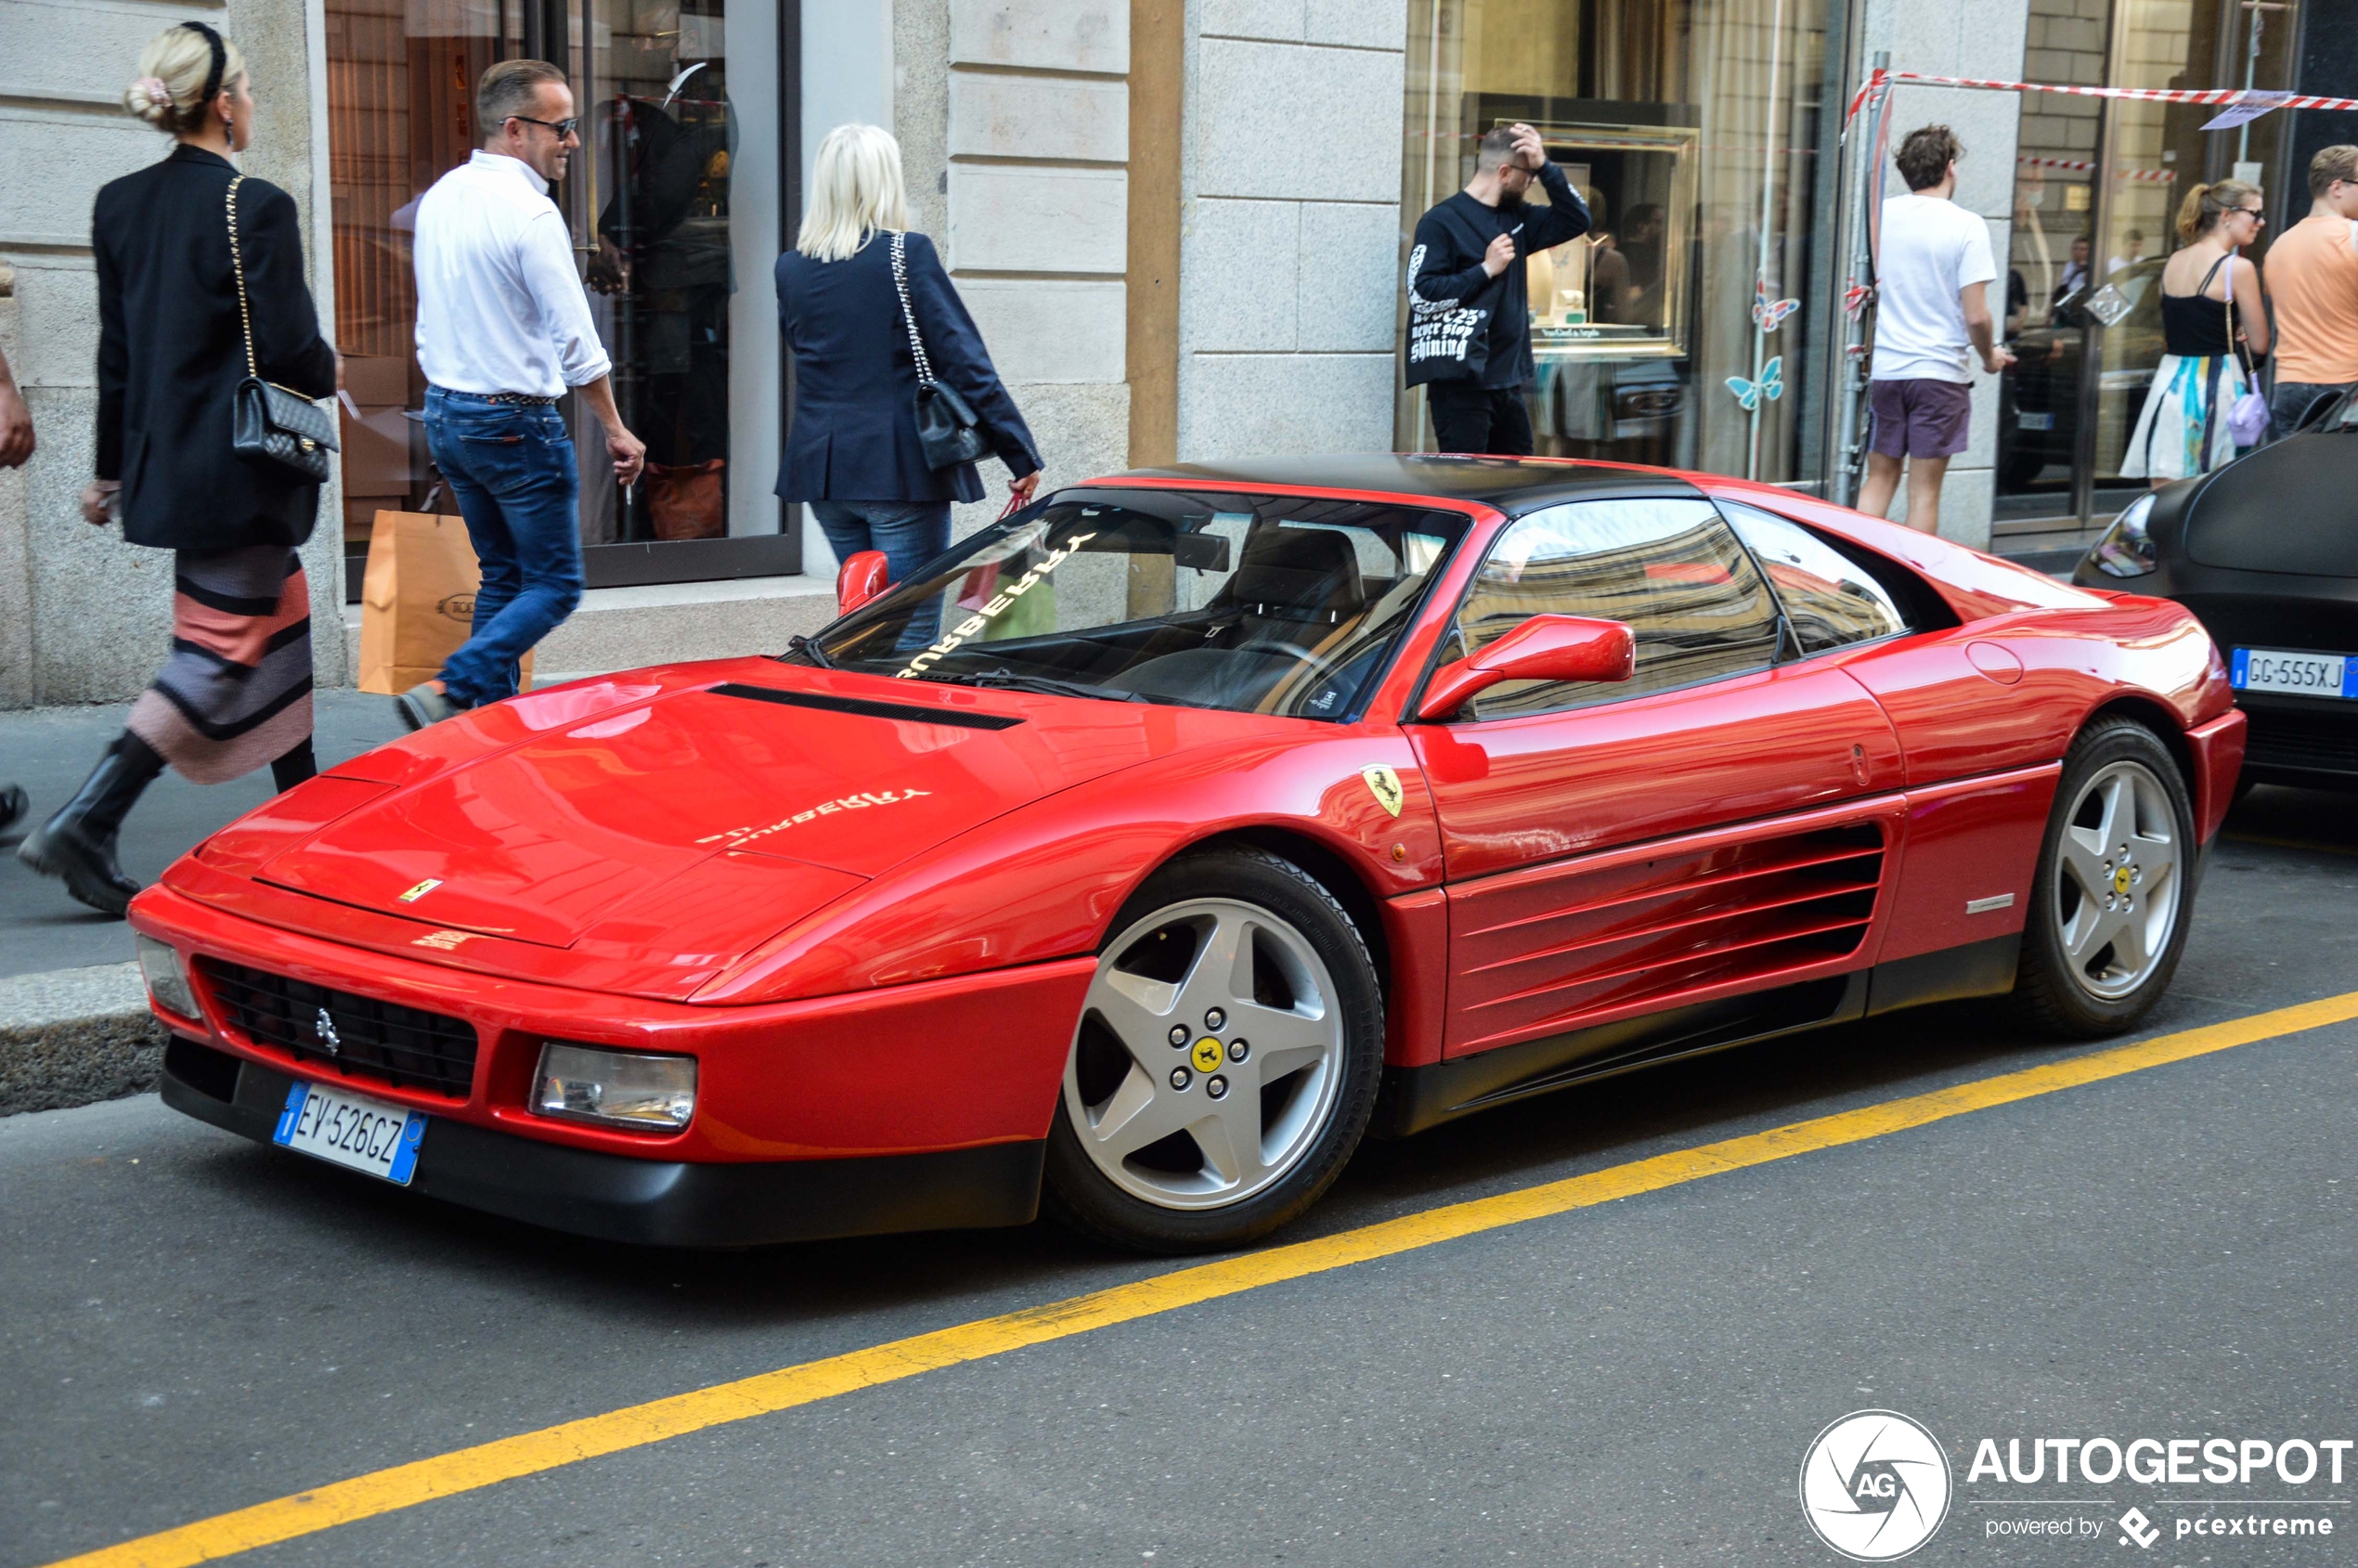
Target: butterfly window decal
[1772,316]
[1771,385]
[1767,313]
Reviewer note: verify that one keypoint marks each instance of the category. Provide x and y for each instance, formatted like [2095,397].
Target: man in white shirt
[503,329]
[1931,304]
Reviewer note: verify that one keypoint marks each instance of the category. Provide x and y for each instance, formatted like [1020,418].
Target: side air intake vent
[1653,931]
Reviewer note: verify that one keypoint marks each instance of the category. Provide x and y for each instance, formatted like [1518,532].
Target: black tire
[1080,1195]
[2054,994]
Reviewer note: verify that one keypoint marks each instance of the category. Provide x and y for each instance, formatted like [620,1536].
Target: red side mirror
[1543,648]
[859,580]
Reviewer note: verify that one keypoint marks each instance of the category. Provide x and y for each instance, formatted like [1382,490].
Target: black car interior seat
[1292,591]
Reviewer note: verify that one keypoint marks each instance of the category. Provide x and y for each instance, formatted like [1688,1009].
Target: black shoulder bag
[269,424]
[946,427]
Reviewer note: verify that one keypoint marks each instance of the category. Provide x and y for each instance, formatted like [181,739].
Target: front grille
[2292,738]
[365,1038]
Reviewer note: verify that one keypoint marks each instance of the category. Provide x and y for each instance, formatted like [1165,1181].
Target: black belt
[526,399]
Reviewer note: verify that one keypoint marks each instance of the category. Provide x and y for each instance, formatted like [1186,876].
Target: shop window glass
[1671,116]
[673,201]
[1671,569]
[2097,187]
[2153,154]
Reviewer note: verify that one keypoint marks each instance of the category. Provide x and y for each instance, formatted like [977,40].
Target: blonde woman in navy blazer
[852,451]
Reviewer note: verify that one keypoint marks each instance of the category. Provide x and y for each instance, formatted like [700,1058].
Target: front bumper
[2310,744]
[918,1105]
[927,1067]
[655,1202]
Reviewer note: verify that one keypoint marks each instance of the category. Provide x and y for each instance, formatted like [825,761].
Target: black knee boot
[78,843]
[293,766]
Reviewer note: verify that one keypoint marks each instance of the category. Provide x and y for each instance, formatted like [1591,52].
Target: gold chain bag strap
[269,424]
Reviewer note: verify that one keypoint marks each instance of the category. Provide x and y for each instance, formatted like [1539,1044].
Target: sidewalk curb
[73,1037]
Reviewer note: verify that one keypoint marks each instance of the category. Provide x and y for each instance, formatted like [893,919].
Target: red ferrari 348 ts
[1151,847]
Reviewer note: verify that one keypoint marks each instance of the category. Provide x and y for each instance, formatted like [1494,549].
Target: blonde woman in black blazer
[235,690]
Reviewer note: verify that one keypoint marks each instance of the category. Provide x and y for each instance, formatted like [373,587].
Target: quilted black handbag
[269,424]
[946,426]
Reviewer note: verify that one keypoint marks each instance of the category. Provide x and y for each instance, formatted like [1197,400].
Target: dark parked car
[2038,394]
[2265,552]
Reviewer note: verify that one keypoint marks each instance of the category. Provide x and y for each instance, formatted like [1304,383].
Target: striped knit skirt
[236,692]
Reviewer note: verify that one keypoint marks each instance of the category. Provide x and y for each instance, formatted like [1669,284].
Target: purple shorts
[1919,419]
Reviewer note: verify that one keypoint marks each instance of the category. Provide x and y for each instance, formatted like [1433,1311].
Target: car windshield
[1256,603]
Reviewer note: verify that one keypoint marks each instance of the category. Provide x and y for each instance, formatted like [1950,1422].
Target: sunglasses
[563,128]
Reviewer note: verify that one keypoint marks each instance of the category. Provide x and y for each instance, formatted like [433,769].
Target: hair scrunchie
[158,94]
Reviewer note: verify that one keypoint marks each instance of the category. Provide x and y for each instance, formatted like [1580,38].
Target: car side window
[1829,601]
[1671,568]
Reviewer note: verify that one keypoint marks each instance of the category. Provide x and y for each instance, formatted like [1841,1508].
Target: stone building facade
[1180,223]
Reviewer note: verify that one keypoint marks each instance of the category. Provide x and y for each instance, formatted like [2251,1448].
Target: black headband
[220,59]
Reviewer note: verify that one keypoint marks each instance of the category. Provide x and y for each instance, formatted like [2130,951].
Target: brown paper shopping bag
[418,601]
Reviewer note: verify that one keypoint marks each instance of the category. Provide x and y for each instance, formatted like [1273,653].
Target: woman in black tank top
[2182,429]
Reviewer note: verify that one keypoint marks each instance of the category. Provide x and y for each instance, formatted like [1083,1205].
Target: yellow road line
[445,1475]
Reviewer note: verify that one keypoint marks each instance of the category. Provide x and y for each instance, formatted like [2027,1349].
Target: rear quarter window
[1834,594]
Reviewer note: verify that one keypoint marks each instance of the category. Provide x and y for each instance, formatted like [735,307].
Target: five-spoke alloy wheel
[2114,888]
[1225,1060]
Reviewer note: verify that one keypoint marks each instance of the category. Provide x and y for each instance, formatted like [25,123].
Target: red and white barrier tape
[2135,176]
[1879,80]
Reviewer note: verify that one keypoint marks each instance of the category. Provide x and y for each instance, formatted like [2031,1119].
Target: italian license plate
[352,1130]
[2035,421]
[2298,675]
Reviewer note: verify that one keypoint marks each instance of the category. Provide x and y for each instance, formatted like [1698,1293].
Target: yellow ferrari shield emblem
[1384,785]
[2120,880]
[421,890]
[1206,1055]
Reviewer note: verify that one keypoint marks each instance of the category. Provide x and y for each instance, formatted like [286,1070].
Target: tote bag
[418,601]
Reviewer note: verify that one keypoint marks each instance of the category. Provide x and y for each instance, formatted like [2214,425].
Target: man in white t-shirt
[1932,307]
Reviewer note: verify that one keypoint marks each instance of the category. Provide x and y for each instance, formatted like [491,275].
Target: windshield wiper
[798,643]
[1005,680]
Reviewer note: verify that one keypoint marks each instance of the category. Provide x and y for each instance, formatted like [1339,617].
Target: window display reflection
[652,205]
[1665,115]
[665,140]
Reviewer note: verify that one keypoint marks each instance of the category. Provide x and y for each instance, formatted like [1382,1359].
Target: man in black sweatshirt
[1469,312]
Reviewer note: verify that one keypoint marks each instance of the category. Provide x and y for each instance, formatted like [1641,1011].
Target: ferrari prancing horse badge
[1384,785]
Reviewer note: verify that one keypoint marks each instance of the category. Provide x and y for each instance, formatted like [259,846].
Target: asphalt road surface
[190,1325]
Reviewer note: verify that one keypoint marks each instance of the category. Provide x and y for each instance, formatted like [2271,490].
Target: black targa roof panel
[1514,485]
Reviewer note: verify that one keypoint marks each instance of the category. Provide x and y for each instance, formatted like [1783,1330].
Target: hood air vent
[955,718]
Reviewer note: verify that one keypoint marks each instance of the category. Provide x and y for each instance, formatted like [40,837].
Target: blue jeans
[511,469]
[910,534]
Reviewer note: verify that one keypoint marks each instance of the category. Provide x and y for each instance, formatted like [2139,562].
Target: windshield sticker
[738,837]
[996,606]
